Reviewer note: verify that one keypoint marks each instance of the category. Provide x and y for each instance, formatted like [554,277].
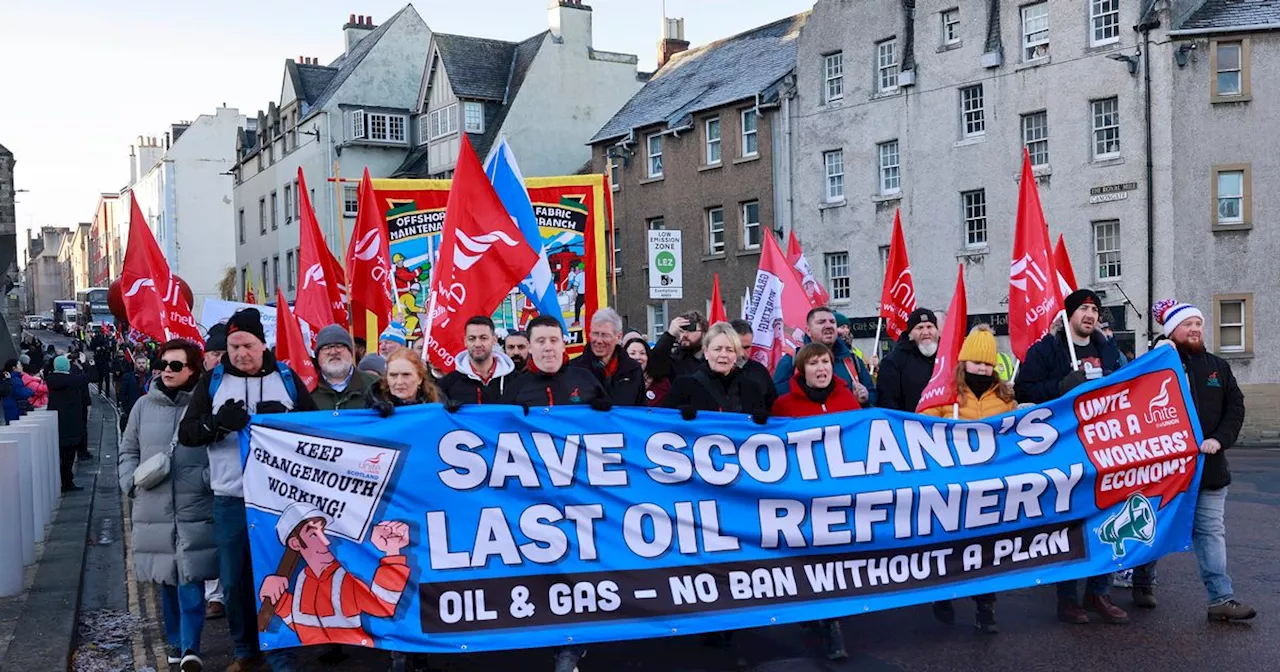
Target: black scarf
[172,393]
[817,395]
[979,384]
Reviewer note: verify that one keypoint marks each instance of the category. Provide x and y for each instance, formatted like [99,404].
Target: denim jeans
[183,608]
[1209,540]
[1095,585]
[235,569]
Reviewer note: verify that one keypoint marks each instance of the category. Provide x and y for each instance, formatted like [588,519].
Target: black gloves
[1073,380]
[267,407]
[385,408]
[232,416]
[452,405]
[601,404]
[688,412]
[760,417]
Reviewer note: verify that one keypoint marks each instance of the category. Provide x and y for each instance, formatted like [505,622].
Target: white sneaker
[191,663]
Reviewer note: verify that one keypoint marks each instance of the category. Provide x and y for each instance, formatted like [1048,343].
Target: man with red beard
[1220,405]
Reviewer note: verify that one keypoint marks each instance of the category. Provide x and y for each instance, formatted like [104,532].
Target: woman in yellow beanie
[980,394]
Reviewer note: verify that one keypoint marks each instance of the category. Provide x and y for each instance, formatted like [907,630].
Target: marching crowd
[181,409]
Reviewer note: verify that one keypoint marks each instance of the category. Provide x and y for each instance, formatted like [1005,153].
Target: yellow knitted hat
[979,346]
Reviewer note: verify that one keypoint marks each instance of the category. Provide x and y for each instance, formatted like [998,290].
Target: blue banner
[491,529]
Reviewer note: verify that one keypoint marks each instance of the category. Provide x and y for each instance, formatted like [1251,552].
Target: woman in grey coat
[173,543]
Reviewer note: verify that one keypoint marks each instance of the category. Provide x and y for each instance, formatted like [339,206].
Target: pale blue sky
[83,78]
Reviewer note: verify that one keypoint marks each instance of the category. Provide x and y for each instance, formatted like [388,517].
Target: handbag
[155,469]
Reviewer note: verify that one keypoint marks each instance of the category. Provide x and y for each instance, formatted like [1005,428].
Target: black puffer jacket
[669,360]
[904,374]
[707,390]
[569,386]
[626,386]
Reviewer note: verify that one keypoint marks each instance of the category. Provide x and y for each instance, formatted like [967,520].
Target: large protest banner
[491,529]
[574,214]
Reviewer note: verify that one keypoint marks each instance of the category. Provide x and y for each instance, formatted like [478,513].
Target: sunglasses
[173,365]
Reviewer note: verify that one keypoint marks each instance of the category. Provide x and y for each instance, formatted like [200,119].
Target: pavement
[119,627]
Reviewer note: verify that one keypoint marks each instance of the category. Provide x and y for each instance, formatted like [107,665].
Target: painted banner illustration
[491,529]
[573,216]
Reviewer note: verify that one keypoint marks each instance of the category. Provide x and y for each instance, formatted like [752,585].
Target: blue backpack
[286,376]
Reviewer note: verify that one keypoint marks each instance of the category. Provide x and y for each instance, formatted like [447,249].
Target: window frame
[661,223]
[711,232]
[262,215]
[275,273]
[753,134]
[1097,130]
[1029,45]
[833,77]
[1245,325]
[615,172]
[1246,197]
[887,72]
[354,192]
[883,168]
[1246,91]
[263,281]
[712,144]
[467,107]
[1027,141]
[289,208]
[275,210]
[650,156]
[973,116]
[747,225]
[1098,20]
[840,286]
[240,222]
[1098,253]
[358,127]
[954,37]
[442,122]
[967,217]
[827,163]
[658,321]
[290,261]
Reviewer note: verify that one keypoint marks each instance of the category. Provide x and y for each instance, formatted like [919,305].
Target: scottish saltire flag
[509,184]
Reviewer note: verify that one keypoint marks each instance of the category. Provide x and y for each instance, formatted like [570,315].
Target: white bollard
[26,493]
[49,424]
[55,478]
[11,548]
[43,459]
[30,438]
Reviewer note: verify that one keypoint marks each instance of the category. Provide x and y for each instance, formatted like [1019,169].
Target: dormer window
[379,127]
[443,121]
[473,117]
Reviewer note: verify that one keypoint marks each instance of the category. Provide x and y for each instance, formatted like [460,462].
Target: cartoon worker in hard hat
[326,604]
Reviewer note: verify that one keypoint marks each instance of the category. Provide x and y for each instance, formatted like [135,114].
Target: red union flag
[718,313]
[320,282]
[812,288]
[161,316]
[1062,261]
[898,298]
[1034,296]
[369,258]
[941,389]
[1138,436]
[290,348]
[482,256]
[778,305]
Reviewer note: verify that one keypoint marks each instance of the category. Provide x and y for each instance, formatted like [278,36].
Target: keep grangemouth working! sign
[491,529]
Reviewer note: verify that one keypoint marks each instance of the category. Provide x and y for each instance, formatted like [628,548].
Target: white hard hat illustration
[294,515]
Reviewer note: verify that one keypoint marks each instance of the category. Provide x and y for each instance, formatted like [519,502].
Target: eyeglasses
[173,365]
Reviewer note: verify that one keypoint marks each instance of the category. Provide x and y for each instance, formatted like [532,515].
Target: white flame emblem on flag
[477,246]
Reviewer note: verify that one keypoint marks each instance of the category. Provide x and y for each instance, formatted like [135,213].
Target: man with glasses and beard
[341,385]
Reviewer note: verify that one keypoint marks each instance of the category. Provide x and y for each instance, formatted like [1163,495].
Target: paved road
[52,338]
[1174,636]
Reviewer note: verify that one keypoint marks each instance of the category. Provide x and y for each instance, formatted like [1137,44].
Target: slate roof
[1233,13]
[313,80]
[710,76]
[5,151]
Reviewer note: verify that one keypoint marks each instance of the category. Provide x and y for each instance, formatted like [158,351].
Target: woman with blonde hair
[980,393]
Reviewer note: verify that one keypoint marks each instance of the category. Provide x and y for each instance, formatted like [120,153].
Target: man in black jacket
[1050,372]
[679,351]
[69,397]
[549,380]
[906,371]
[621,377]
[753,370]
[1220,405]
[482,372]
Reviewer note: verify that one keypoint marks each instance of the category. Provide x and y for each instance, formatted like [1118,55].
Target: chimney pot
[351,19]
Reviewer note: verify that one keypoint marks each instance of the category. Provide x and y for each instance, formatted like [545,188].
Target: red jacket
[795,404]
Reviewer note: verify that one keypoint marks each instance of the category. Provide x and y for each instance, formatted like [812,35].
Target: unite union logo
[1159,412]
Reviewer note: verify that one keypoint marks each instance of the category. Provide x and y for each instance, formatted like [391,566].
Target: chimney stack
[569,22]
[357,27]
[673,41]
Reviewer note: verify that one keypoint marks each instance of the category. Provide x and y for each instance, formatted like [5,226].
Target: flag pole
[1071,344]
[875,347]
[955,411]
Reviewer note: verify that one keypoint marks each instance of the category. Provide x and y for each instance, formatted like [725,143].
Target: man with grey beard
[905,372]
[341,385]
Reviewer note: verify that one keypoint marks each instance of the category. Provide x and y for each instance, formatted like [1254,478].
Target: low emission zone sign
[666,271]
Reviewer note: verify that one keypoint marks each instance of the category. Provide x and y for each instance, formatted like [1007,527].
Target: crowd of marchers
[191,527]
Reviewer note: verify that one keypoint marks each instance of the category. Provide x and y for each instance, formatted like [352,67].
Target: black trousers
[67,461]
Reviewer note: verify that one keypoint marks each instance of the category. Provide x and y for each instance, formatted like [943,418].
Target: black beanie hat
[216,340]
[921,315]
[247,320]
[1078,298]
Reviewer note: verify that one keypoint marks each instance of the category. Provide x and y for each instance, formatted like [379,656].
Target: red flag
[482,256]
[813,289]
[320,301]
[290,348]
[369,258]
[778,306]
[145,271]
[941,389]
[1034,296]
[718,313]
[1062,262]
[898,297]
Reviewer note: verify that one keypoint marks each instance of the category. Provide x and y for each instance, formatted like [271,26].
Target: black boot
[943,611]
[833,640]
[986,620]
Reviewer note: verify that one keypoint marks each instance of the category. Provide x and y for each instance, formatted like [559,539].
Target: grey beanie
[374,364]
[334,334]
